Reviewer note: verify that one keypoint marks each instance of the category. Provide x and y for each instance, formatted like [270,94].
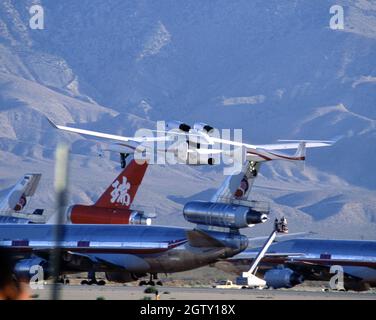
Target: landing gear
[122,160]
[92,280]
[151,281]
[142,283]
[253,172]
[63,280]
[253,168]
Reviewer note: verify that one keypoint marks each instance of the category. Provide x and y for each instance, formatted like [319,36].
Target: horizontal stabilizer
[309,141]
[291,144]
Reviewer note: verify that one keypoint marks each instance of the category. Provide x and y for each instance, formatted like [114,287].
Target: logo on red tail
[123,189]
[120,192]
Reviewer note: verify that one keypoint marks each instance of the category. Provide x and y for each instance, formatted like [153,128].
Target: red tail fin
[123,189]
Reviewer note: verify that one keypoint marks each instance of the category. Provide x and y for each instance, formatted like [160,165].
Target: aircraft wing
[255,241]
[293,145]
[277,146]
[107,135]
[295,261]
[209,140]
[322,262]
[269,255]
[266,152]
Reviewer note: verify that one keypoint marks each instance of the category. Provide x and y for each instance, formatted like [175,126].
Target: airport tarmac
[112,292]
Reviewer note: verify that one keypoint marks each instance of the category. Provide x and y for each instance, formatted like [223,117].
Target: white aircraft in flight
[197,139]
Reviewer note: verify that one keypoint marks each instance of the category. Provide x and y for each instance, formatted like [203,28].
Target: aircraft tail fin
[16,199]
[237,186]
[121,192]
[301,151]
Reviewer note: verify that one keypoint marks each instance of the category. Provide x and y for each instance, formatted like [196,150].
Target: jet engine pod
[26,268]
[222,214]
[200,126]
[139,218]
[282,278]
[178,125]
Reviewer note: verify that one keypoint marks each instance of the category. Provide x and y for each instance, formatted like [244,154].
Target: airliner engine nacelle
[81,214]
[222,214]
[282,278]
[23,268]
[178,125]
[200,126]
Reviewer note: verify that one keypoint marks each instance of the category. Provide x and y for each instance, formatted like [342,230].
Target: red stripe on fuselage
[275,154]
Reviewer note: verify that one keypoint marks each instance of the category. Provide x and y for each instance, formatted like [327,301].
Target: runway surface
[78,292]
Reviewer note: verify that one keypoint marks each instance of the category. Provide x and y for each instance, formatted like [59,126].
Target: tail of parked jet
[114,205]
[17,198]
[238,186]
[123,189]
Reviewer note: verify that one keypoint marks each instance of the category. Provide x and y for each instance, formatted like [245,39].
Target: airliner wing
[255,241]
[251,254]
[327,262]
[297,259]
[276,146]
[266,152]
